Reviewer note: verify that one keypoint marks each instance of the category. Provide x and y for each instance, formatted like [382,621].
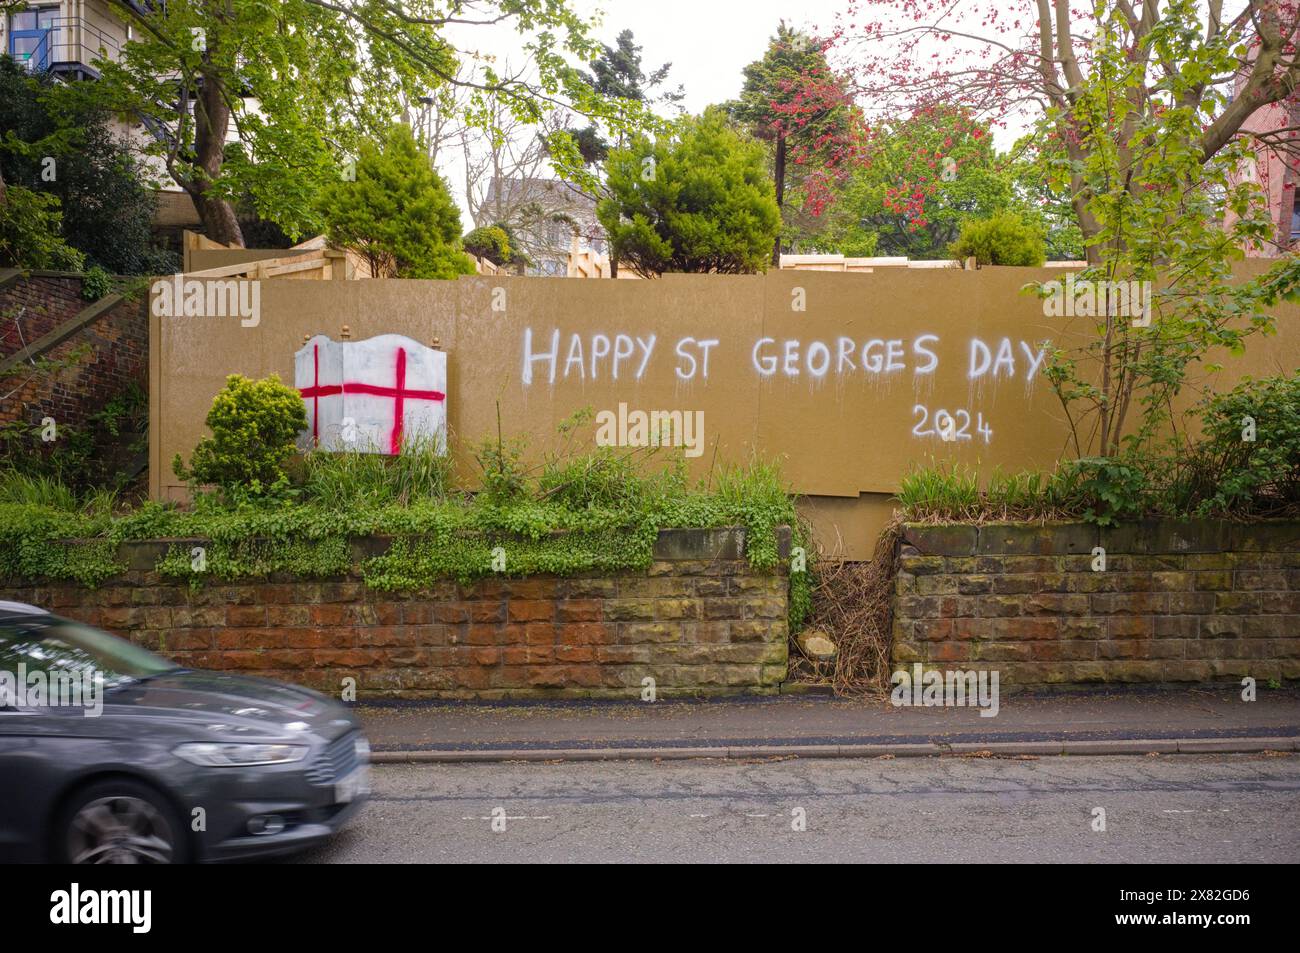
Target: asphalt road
[1158,809]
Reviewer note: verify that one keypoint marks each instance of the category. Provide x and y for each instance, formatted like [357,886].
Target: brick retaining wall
[699,621]
[1176,602]
[117,342]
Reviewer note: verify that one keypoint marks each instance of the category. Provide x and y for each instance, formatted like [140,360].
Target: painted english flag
[372,395]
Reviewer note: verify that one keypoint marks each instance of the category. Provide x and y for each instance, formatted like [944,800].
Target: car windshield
[62,645]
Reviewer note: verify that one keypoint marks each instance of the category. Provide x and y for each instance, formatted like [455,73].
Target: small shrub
[96,283]
[1004,239]
[254,427]
[1110,490]
[504,475]
[607,477]
[1229,474]
[31,228]
[490,242]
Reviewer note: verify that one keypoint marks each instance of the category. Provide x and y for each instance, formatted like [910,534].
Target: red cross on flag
[372,395]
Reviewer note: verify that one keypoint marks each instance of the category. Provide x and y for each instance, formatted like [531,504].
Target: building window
[30,36]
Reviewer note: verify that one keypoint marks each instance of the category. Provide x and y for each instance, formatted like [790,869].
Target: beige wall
[845,438]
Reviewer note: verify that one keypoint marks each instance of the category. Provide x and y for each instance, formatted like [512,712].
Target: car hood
[232,706]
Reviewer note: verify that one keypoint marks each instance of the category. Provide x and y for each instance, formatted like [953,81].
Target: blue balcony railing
[64,44]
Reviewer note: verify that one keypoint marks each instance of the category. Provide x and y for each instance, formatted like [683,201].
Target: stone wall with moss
[700,620]
[1157,601]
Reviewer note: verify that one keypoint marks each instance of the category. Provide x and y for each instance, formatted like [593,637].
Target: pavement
[1138,720]
[1240,808]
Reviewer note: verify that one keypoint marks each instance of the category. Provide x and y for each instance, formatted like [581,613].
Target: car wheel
[119,822]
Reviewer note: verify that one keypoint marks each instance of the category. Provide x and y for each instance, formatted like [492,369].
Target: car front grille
[336,761]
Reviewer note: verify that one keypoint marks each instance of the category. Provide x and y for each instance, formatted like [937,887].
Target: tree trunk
[211,121]
[779,175]
[613,264]
[217,216]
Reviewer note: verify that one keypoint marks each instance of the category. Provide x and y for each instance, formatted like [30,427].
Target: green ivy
[431,539]
[40,542]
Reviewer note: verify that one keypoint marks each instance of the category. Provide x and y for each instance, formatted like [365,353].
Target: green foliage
[1229,474]
[398,212]
[924,177]
[1044,198]
[617,74]
[96,454]
[774,83]
[1158,207]
[591,526]
[698,201]
[490,242]
[33,490]
[1223,473]
[230,560]
[301,84]
[370,480]
[503,474]
[589,144]
[40,541]
[69,151]
[96,283]
[31,227]
[1099,490]
[1004,239]
[792,99]
[940,491]
[1111,490]
[254,427]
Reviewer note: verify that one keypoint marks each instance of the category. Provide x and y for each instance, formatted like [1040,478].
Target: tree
[1046,199]
[510,182]
[793,99]
[617,74]
[1004,239]
[1140,119]
[103,192]
[397,212]
[30,223]
[924,177]
[697,201]
[490,242]
[1038,60]
[300,83]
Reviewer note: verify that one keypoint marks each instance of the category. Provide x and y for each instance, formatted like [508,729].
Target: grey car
[175,765]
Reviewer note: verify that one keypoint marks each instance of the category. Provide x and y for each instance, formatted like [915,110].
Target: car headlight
[217,755]
[363,748]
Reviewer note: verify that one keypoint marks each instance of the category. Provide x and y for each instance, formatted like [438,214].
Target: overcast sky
[708,41]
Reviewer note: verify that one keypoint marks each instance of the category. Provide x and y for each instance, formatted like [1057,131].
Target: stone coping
[1156,536]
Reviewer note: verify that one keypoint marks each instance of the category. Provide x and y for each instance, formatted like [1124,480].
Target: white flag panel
[373,395]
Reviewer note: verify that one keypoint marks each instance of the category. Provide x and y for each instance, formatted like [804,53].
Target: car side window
[33,647]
